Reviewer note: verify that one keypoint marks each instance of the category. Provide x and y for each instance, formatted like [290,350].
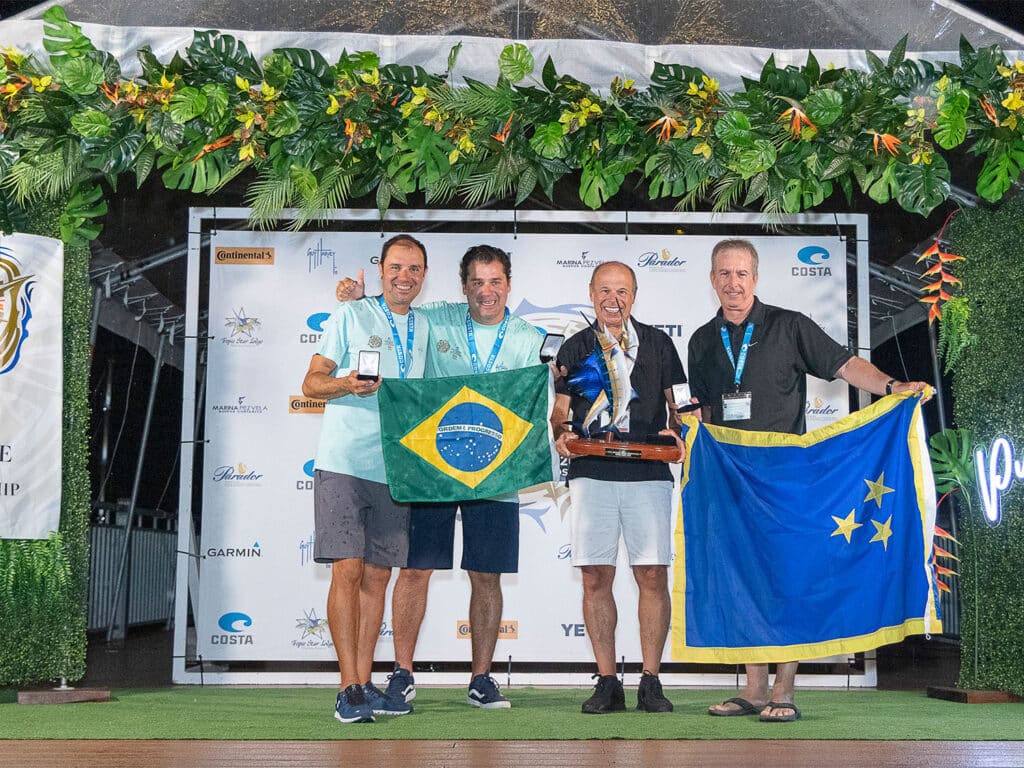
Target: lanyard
[474,356]
[404,359]
[737,365]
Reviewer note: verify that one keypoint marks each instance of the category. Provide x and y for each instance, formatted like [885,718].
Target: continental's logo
[236,255]
[507,630]
[15,309]
[300,404]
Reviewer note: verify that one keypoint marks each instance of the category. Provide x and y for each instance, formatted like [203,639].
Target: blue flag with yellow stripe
[459,438]
[801,546]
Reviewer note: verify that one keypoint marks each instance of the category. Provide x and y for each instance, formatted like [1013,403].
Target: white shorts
[640,512]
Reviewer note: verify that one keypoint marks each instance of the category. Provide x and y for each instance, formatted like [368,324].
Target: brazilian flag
[460,438]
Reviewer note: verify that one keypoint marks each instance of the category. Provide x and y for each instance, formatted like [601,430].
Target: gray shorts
[356,518]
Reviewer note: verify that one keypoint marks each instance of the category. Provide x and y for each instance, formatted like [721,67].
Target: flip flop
[745,708]
[794,715]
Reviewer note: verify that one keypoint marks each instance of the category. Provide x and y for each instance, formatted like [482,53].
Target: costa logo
[812,258]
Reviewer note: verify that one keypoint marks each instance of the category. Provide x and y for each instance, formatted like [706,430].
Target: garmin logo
[300,404]
[233,255]
[253,551]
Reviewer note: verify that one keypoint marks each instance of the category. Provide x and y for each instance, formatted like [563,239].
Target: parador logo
[239,255]
[300,404]
[661,261]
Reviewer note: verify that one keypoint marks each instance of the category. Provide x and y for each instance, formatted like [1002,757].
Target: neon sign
[995,474]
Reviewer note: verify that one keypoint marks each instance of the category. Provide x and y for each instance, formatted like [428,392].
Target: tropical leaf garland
[319,133]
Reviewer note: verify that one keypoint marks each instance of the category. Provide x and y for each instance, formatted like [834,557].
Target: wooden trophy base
[610,448]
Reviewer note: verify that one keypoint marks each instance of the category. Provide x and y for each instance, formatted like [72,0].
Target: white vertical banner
[261,597]
[31,385]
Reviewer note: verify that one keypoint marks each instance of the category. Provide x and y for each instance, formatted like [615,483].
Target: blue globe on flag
[469,437]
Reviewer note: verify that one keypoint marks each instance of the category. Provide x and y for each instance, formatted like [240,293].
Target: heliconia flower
[942,533]
[943,586]
[942,570]
[113,94]
[940,552]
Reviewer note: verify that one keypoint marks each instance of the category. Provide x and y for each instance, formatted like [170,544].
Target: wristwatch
[888,386]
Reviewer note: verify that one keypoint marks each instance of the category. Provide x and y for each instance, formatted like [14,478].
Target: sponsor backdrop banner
[31,385]
[261,596]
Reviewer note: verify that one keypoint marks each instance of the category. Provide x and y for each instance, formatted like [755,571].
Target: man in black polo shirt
[749,367]
[630,497]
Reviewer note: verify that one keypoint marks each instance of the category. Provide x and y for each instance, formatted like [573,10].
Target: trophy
[603,379]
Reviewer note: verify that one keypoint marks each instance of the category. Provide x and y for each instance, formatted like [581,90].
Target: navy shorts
[490,536]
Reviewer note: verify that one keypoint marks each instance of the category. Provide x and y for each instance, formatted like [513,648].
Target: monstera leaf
[923,186]
[953,461]
[515,62]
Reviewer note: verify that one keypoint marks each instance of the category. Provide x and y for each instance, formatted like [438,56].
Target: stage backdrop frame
[206,224]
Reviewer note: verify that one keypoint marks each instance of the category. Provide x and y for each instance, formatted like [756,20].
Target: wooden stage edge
[536,754]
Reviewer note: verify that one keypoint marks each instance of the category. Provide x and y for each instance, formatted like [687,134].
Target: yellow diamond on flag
[468,437]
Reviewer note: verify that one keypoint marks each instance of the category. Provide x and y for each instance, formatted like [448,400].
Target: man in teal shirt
[476,336]
[360,530]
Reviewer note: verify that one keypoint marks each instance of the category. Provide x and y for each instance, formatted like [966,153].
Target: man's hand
[679,443]
[357,386]
[349,289]
[911,386]
[564,438]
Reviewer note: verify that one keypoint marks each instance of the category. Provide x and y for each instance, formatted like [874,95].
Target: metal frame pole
[123,559]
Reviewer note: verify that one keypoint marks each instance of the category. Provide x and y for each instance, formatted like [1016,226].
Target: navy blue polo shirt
[784,348]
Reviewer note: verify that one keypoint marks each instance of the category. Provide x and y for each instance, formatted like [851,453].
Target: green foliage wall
[44,584]
[988,393]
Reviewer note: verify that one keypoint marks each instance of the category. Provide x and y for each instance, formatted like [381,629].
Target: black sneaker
[608,696]
[649,697]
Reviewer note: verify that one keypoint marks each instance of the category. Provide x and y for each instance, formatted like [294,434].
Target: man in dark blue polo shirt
[749,367]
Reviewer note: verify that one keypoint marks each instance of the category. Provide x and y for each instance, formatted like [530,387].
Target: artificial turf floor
[190,712]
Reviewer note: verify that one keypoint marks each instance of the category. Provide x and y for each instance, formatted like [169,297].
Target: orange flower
[797,119]
[220,143]
[502,135]
[988,109]
[888,141]
[350,131]
[667,126]
[112,93]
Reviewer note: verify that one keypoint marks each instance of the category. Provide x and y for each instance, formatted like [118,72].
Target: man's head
[486,274]
[403,266]
[734,277]
[612,291]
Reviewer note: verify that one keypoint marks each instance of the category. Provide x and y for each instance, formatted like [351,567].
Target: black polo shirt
[784,348]
[657,368]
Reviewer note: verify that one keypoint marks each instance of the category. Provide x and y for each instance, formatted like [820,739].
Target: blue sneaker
[483,693]
[382,704]
[351,706]
[401,685]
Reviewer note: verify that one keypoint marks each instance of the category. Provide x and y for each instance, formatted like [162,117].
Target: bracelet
[888,386]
